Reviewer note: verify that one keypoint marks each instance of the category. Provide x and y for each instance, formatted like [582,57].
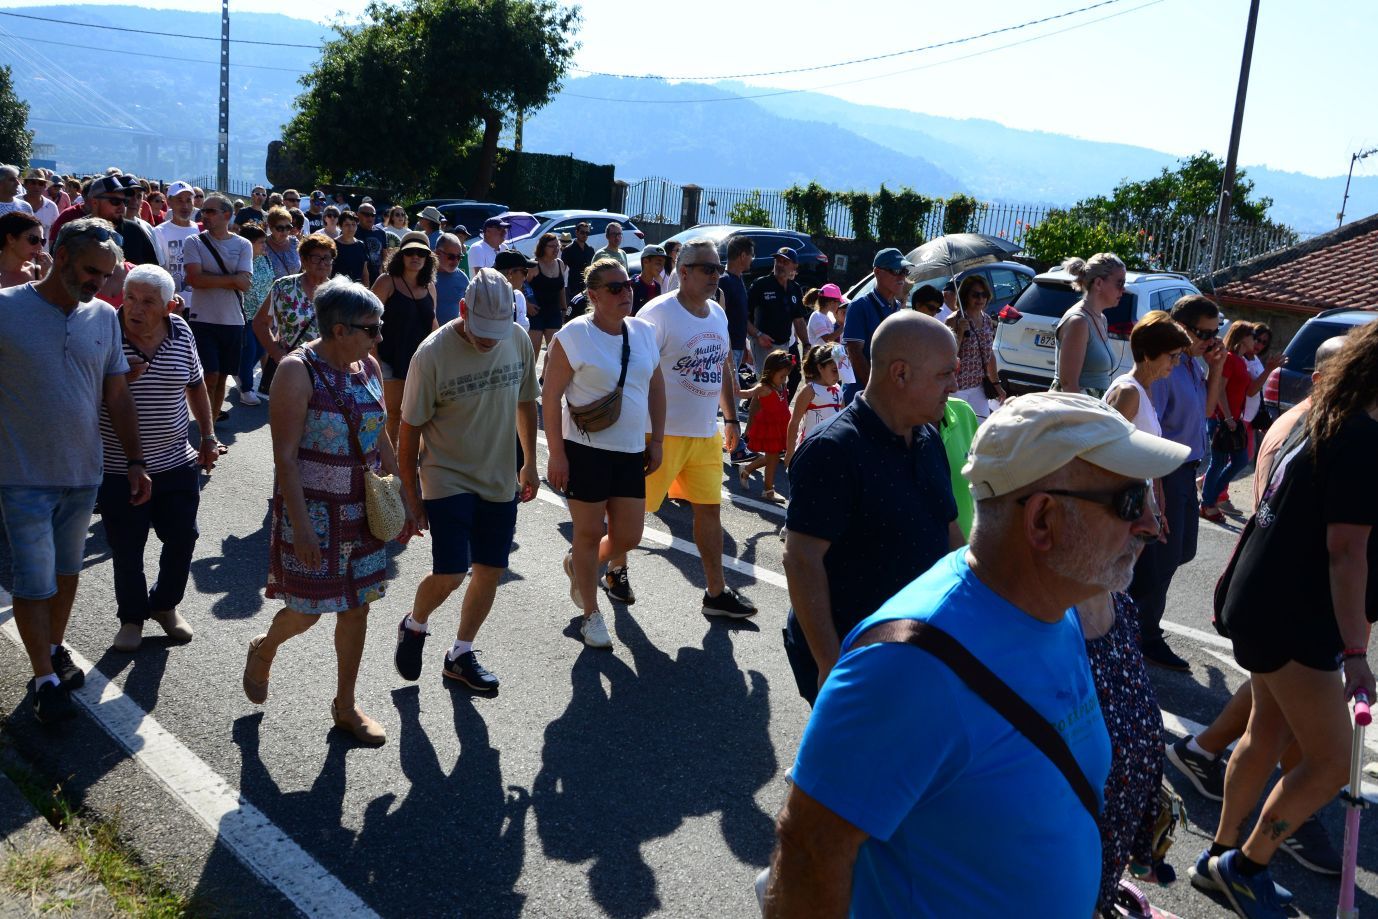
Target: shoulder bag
[994,691]
[205,240]
[382,493]
[602,413]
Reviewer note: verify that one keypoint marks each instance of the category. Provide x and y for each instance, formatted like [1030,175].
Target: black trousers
[1160,560]
[171,514]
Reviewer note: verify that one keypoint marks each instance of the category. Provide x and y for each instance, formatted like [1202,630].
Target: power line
[160,57]
[860,60]
[92,25]
[880,76]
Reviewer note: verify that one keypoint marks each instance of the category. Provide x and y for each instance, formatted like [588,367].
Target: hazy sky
[1156,73]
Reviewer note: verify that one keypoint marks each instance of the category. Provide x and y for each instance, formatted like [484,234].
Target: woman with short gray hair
[326,410]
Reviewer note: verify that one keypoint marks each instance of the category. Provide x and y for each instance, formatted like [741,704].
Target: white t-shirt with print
[170,238]
[693,352]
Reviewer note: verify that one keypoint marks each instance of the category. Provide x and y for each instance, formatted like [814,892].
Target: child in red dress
[769,421]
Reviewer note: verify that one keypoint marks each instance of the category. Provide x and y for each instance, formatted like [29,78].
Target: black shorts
[218,346]
[1263,643]
[596,475]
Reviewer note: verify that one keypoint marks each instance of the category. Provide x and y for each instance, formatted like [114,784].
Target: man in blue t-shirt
[865,314]
[913,797]
[451,282]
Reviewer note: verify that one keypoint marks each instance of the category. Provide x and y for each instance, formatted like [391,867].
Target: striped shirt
[160,400]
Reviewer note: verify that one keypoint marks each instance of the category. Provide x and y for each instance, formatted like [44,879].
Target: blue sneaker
[1200,875]
[1252,897]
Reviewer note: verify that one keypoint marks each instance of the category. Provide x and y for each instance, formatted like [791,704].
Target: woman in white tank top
[819,399]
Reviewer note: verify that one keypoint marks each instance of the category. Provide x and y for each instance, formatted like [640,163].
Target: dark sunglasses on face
[35,240]
[1126,504]
[709,268]
[372,331]
[1205,334]
[281,227]
[616,287]
[450,256]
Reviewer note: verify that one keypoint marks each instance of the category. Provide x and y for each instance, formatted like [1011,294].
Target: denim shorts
[466,528]
[46,528]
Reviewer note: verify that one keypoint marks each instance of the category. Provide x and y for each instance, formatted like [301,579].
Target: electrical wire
[161,57]
[92,25]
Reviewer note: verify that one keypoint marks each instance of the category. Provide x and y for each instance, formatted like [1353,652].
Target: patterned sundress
[353,563]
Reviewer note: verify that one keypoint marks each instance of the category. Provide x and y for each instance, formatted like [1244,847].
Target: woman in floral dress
[287,318]
[323,391]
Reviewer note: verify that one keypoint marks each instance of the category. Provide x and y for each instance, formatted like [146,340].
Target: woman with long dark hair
[1292,631]
[23,255]
[548,290]
[408,294]
[975,332]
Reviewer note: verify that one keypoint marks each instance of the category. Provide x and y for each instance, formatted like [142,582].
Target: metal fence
[238,188]
[1165,245]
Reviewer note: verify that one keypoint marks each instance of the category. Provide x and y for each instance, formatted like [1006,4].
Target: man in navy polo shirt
[871,504]
[776,308]
[865,314]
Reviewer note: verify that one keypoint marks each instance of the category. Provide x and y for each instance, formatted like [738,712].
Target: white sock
[414,626]
[458,648]
[52,649]
[50,679]
[1196,748]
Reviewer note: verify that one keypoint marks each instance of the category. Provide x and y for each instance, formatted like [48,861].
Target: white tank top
[1146,419]
[824,402]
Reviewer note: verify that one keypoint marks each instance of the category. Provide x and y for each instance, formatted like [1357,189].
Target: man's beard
[1083,560]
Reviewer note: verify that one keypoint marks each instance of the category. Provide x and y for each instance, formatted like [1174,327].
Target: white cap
[176,188]
[1032,436]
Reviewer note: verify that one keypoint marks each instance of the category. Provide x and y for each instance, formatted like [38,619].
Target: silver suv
[1024,340]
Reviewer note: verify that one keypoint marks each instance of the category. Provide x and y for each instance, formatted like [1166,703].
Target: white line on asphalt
[732,496]
[1206,638]
[264,848]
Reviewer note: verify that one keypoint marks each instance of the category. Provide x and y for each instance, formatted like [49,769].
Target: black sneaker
[741,456]
[1157,653]
[407,657]
[1311,846]
[729,604]
[470,672]
[618,585]
[1206,775]
[71,676]
[51,703]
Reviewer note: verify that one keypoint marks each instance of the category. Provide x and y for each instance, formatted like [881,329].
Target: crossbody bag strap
[205,238]
[339,402]
[994,691]
[626,355]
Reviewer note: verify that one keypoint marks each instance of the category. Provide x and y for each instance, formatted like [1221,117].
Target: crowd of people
[1028,543]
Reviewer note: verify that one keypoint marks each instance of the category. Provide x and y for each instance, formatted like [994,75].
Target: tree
[422,81]
[1060,235]
[1187,194]
[749,213]
[16,140]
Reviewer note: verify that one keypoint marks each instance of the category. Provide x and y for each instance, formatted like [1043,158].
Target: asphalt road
[634,783]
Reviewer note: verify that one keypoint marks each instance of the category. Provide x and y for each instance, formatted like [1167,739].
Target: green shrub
[1060,236]
[750,212]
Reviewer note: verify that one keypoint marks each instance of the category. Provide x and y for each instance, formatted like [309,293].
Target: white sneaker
[595,631]
[574,594]
[249,397]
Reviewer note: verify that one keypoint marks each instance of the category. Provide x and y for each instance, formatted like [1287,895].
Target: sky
[1154,73]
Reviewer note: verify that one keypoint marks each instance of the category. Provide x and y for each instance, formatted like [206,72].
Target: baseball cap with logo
[489,304]
[1033,436]
[176,188]
[108,186]
[785,252]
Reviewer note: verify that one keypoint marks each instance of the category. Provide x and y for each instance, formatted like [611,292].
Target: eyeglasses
[281,227]
[615,287]
[1205,334]
[372,331]
[450,256]
[1127,504]
[320,259]
[709,268]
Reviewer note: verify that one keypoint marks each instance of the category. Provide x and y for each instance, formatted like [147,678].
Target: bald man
[871,505]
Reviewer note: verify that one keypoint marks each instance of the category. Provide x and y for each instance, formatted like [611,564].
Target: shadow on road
[242,560]
[667,740]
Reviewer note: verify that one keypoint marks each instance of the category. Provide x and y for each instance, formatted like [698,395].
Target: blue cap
[495,222]
[892,259]
[787,253]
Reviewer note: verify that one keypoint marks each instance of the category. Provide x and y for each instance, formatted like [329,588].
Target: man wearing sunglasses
[173,232]
[107,197]
[865,314]
[902,755]
[1183,400]
[775,303]
[35,196]
[451,282]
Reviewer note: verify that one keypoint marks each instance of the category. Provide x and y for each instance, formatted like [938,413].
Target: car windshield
[1301,351]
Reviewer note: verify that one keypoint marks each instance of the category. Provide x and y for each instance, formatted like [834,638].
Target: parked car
[468,214]
[1289,384]
[1024,339]
[813,263]
[560,222]
[1007,280]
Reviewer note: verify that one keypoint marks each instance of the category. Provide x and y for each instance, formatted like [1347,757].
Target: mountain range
[726,134]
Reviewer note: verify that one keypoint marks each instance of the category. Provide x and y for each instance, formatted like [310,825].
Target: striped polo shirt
[160,398]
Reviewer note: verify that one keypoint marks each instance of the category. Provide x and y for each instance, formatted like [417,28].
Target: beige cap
[491,305]
[1032,436]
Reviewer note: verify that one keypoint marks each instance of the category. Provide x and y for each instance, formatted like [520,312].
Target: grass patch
[137,889]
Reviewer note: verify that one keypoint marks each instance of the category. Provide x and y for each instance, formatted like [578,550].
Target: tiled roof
[1334,269]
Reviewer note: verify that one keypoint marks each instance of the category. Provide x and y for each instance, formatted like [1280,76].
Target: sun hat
[431,213]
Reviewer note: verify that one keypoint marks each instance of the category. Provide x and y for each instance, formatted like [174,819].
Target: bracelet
[732,421]
[135,463]
[1348,653]
[207,438]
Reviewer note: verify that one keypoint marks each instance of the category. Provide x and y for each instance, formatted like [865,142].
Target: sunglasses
[101,234]
[616,287]
[372,331]
[1205,334]
[978,295]
[35,240]
[1126,504]
[292,200]
[450,256]
[709,268]
[281,227]
[121,200]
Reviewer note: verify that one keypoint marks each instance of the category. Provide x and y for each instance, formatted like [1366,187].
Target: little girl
[818,399]
[766,432]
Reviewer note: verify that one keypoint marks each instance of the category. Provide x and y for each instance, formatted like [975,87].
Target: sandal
[363,728]
[743,476]
[1213,514]
[770,495]
[256,690]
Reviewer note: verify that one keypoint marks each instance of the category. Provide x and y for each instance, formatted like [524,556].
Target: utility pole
[1353,158]
[1225,205]
[222,159]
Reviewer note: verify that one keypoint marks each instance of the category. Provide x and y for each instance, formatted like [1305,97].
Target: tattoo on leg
[1277,829]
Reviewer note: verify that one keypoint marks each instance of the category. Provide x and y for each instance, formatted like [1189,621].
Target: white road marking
[1206,638]
[264,848]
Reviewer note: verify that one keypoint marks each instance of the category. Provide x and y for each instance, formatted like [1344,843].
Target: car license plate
[1045,339]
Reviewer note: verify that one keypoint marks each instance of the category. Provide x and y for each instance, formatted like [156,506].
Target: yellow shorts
[690,470]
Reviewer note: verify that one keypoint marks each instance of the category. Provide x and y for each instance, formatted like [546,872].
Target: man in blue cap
[483,253]
[776,314]
[864,314]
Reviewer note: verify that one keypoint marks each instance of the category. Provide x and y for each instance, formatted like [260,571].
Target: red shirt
[1237,380]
